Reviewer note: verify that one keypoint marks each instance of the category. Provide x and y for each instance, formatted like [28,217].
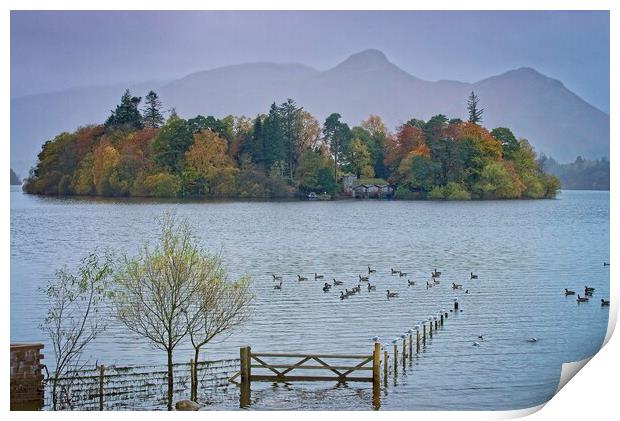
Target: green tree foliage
[286,152]
[451,191]
[337,135]
[510,144]
[151,113]
[475,113]
[314,173]
[126,115]
[171,144]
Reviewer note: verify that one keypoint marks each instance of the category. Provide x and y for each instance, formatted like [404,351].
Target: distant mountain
[555,120]
[15,181]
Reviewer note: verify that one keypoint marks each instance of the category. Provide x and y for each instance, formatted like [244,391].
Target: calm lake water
[525,253]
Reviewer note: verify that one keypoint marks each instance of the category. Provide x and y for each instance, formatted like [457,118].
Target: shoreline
[146,199]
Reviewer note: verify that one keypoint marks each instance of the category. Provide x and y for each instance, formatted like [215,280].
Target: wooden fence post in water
[245,355]
[417,339]
[376,364]
[424,333]
[410,344]
[376,376]
[101,375]
[385,366]
[395,358]
[441,319]
[436,322]
[430,327]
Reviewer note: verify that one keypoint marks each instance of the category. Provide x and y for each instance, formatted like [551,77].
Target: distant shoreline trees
[284,153]
[582,174]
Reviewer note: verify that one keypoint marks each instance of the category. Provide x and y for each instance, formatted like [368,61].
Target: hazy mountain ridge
[542,109]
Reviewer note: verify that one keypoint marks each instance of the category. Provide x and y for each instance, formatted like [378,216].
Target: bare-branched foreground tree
[162,294]
[74,317]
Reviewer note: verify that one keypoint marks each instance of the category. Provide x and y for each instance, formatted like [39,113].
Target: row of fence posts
[193,377]
[421,333]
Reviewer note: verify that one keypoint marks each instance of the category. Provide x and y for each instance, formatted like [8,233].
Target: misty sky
[57,50]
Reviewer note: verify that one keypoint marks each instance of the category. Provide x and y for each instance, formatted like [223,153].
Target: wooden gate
[280,371]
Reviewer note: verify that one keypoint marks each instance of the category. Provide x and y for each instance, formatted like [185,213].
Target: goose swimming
[371,270]
[391,294]
[604,303]
[568,292]
[472,276]
[301,278]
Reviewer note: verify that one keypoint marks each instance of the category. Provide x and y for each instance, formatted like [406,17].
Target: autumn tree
[408,141]
[151,113]
[105,160]
[209,168]
[475,113]
[359,159]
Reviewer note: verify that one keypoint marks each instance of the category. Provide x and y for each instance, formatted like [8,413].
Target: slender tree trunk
[195,375]
[54,397]
[170,380]
[336,166]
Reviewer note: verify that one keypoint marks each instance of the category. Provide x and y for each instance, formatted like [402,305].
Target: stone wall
[26,377]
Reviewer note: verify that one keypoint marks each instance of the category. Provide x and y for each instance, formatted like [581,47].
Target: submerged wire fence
[139,387]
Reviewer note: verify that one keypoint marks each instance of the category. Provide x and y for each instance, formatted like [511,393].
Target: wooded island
[285,153]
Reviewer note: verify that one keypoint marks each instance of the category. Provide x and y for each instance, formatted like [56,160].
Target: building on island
[366,188]
[349,181]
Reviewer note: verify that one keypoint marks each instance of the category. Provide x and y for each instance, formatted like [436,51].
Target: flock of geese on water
[346,293]
[588,292]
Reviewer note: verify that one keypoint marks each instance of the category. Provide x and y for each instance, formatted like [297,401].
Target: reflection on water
[525,253]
